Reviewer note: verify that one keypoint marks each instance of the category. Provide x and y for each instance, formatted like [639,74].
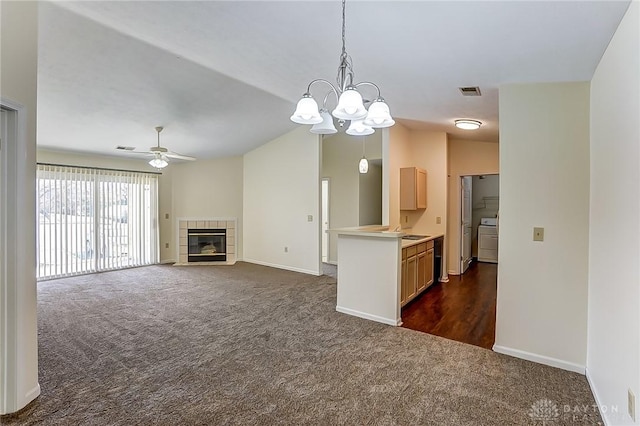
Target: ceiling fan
[161,155]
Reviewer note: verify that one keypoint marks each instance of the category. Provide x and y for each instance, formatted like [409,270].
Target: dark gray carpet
[246,345]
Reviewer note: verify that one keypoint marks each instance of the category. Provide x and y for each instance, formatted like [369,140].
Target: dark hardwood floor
[464,309]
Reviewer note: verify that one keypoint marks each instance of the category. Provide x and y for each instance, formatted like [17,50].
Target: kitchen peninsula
[379,271]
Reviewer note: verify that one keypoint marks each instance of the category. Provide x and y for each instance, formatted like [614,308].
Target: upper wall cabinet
[413,188]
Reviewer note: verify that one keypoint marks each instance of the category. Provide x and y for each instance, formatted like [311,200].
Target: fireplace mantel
[186,223]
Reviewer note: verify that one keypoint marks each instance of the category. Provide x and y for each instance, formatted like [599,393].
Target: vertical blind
[93,220]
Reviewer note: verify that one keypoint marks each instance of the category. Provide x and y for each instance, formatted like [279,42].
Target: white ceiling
[223,77]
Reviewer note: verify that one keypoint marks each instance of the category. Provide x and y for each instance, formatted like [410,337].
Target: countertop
[380,231]
[409,243]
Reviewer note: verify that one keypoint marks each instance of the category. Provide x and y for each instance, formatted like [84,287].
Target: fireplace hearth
[207,245]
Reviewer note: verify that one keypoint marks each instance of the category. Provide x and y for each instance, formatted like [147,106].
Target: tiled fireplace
[206,241]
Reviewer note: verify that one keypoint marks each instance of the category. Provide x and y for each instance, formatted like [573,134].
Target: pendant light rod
[158,130]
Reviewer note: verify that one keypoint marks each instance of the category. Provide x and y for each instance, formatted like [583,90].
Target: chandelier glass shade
[358,128]
[350,104]
[326,127]
[363,166]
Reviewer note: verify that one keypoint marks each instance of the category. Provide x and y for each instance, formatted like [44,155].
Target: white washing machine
[488,240]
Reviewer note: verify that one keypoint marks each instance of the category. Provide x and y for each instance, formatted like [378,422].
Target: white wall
[465,158]
[112,162]
[18,307]
[281,188]
[341,154]
[544,182]
[613,351]
[209,188]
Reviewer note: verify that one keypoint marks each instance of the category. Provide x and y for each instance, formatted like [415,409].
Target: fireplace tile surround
[184,224]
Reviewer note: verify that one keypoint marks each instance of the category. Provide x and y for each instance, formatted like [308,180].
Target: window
[94,220]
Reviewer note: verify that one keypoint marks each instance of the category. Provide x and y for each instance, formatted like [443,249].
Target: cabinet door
[412,277]
[421,189]
[422,271]
[408,188]
[403,282]
[429,262]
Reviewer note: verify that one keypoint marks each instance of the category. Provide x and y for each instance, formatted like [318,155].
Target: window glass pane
[91,220]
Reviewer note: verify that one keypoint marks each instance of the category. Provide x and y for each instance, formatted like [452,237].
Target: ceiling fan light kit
[467,124]
[350,104]
[158,162]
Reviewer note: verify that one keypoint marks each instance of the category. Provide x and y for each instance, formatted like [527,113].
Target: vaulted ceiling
[223,77]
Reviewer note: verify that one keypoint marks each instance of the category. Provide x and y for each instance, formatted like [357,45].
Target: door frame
[465,263]
[324,236]
[18,300]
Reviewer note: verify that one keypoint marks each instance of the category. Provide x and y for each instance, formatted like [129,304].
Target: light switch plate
[538,234]
[438,220]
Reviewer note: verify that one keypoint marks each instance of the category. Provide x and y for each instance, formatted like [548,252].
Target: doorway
[479,199]
[466,224]
[325,219]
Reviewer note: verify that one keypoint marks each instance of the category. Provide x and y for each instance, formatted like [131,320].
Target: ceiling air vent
[125,148]
[470,91]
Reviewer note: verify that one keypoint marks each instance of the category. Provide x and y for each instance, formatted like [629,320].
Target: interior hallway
[464,309]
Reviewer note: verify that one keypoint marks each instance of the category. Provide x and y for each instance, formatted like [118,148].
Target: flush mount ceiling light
[467,124]
[350,105]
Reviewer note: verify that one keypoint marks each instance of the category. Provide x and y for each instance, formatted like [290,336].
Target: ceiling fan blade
[177,156]
[147,153]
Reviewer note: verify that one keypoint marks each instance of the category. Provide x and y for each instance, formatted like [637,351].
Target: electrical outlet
[166,215]
[166,245]
[438,220]
[538,234]
[309,218]
[286,249]
[631,403]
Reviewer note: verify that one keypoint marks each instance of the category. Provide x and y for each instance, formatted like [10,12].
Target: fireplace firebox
[207,245]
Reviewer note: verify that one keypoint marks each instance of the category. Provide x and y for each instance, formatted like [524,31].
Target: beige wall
[399,156]
[281,189]
[465,158]
[208,188]
[370,195]
[18,316]
[544,182]
[113,162]
[613,349]
[427,150]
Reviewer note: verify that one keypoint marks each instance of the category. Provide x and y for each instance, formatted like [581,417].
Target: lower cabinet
[417,270]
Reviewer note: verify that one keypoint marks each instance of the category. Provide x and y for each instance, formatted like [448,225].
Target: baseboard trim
[31,395]
[596,397]
[167,261]
[540,359]
[370,317]
[285,267]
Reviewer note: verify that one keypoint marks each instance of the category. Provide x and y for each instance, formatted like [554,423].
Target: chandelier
[350,104]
